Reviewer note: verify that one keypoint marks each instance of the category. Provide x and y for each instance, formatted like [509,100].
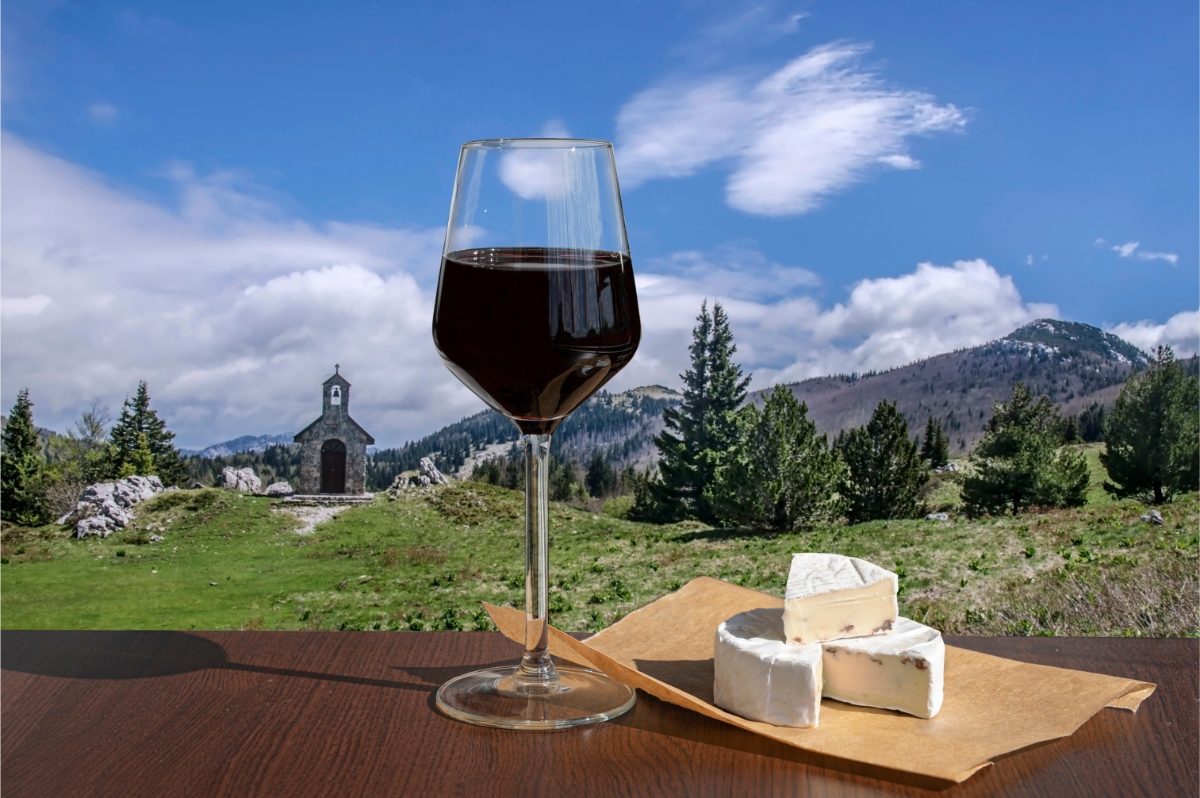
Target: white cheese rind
[901,670]
[832,596]
[757,675]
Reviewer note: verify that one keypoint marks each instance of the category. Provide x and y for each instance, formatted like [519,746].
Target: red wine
[536,331]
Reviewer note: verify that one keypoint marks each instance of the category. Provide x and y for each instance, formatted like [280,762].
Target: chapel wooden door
[333,467]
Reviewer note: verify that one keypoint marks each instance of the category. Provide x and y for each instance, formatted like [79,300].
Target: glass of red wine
[536,309]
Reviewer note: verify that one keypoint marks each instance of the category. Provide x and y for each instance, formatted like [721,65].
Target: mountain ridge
[1073,363]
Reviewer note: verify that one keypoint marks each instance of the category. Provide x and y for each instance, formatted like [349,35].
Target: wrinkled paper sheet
[992,705]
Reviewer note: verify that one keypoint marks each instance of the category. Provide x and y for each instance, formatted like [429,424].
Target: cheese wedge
[760,677]
[902,669]
[831,596]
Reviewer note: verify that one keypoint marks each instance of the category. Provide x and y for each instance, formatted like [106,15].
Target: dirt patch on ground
[308,517]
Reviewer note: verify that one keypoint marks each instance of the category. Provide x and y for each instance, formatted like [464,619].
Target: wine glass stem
[537,671]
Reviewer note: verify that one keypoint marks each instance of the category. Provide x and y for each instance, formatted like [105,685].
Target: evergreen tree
[1020,461]
[601,479]
[140,460]
[139,427]
[563,483]
[1152,436]
[699,433]
[935,448]
[23,467]
[884,472]
[780,473]
[1091,423]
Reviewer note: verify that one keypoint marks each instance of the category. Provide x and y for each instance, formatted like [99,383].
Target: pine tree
[1091,423]
[935,448]
[780,473]
[1152,438]
[563,484]
[699,433]
[138,427]
[1021,462]
[675,493]
[601,479]
[23,467]
[727,393]
[884,472]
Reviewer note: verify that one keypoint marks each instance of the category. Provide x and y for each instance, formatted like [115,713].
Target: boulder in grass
[105,507]
[280,488]
[938,517]
[428,474]
[243,480]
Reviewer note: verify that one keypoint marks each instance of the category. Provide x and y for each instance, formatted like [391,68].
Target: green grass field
[234,562]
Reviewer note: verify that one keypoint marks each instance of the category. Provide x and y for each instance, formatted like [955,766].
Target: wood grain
[347,713]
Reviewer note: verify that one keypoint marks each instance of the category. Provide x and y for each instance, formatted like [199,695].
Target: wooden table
[349,713]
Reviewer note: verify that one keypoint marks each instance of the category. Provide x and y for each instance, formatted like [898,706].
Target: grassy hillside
[234,562]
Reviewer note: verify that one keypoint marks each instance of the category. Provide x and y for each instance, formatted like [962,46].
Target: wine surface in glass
[535,331]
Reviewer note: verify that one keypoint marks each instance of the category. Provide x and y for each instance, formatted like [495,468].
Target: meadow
[424,562]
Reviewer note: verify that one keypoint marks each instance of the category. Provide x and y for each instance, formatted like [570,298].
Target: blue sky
[224,200]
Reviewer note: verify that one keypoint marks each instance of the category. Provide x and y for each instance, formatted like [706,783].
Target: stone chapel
[333,449]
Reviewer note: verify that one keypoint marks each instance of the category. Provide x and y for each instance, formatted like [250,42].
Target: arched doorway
[333,466]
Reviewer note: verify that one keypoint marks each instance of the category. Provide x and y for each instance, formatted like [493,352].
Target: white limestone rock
[243,480]
[428,474]
[105,507]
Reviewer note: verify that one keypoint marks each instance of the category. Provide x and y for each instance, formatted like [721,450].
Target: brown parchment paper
[992,705]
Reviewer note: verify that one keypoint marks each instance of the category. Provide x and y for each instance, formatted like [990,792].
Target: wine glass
[536,309]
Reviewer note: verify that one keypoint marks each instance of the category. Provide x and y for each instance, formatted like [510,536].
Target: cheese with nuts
[901,670]
[757,675]
[831,596]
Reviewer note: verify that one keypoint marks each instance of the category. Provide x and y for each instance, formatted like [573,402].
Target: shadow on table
[138,655]
[695,677]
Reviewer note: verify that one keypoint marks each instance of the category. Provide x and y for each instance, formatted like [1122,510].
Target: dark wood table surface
[350,713]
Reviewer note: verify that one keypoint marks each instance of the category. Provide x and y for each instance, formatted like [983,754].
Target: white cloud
[1130,250]
[103,113]
[931,310]
[231,309]
[1170,257]
[812,128]
[898,161]
[33,305]
[748,27]
[1181,332]
[785,337]
[538,174]
[735,270]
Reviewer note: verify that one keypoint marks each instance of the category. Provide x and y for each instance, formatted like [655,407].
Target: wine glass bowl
[536,310]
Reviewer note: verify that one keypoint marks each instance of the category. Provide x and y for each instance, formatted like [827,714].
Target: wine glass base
[492,697]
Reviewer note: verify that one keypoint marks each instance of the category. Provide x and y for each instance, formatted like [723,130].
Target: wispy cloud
[102,113]
[1131,249]
[747,28]
[791,138]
